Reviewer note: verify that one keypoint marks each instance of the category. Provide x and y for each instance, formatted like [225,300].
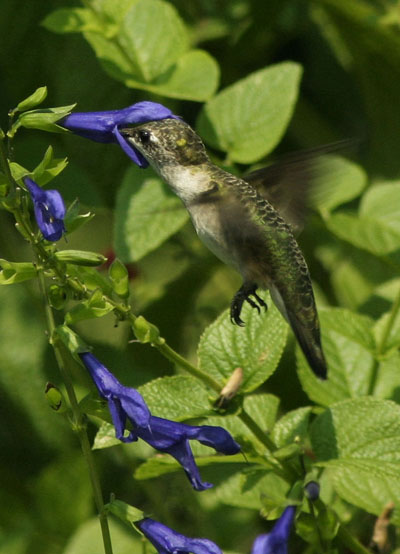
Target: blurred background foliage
[350,88]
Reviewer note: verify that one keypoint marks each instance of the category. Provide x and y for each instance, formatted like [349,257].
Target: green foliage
[172,295]
[248,119]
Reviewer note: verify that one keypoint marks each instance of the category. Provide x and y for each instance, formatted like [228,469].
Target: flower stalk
[78,418]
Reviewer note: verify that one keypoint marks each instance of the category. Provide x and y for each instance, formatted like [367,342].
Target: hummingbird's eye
[144,136]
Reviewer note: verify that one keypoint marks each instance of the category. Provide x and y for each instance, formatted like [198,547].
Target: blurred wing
[287,184]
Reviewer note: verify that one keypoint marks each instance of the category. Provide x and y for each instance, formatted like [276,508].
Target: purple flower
[123,402]
[49,210]
[162,434]
[168,541]
[276,541]
[104,126]
[172,437]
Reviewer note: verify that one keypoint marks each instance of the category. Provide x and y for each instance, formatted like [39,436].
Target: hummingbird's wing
[288,183]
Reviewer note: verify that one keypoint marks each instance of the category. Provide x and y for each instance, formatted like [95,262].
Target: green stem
[382,344]
[347,539]
[173,356]
[281,469]
[79,425]
[389,324]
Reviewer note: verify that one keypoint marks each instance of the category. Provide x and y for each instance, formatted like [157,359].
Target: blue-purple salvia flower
[105,126]
[168,541]
[172,437]
[162,434]
[276,541]
[124,403]
[49,210]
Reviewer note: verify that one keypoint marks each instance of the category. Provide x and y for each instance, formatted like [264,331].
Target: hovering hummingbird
[239,225]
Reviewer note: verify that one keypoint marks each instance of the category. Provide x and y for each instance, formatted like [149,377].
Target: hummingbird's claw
[243,294]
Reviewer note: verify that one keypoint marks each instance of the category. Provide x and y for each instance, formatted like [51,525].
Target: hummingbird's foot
[243,294]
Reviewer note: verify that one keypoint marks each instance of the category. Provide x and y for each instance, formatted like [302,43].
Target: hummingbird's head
[167,142]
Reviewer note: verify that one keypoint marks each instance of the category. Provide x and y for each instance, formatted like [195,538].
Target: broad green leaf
[147,214]
[377,227]
[194,76]
[387,383]
[73,20]
[338,181]
[110,55]
[358,442]
[87,539]
[33,100]
[178,398]
[248,119]
[253,490]
[15,272]
[164,464]
[256,348]
[291,426]
[349,347]
[262,409]
[154,37]
[105,437]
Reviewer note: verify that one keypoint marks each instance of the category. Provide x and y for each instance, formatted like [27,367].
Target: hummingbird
[239,225]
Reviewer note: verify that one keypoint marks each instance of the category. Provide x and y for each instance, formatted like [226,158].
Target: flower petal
[130,150]
[276,541]
[215,437]
[168,541]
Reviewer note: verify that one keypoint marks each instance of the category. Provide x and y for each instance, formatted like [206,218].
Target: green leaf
[154,37]
[105,437]
[147,214]
[292,426]
[73,220]
[95,306]
[263,409]
[349,347]
[48,168]
[164,464]
[16,272]
[256,348]
[90,277]
[178,398]
[125,512]
[358,442]
[44,119]
[377,227]
[248,119]
[338,181]
[33,100]
[71,341]
[194,76]
[73,20]
[253,490]
[119,278]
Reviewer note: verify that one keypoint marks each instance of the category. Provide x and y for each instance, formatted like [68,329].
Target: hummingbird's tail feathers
[310,343]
